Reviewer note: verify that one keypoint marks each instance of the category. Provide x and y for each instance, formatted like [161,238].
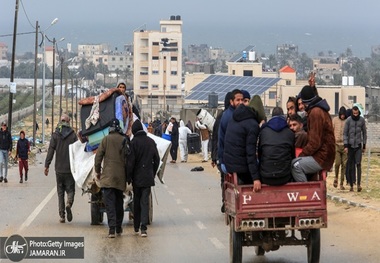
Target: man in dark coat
[276,150]
[214,145]
[174,139]
[240,146]
[235,100]
[60,140]
[5,151]
[112,177]
[319,152]
[143,163]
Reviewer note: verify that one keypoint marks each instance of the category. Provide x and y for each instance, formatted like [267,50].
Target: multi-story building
[158,69]
[327,70]
[89,51]
[3,51]
[198,53]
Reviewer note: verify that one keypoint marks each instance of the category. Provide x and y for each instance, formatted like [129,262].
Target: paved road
[187,223]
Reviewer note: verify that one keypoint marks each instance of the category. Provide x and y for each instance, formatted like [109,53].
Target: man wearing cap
[319,152]
[354,139]
[60,140]
[246,97]
[5,151]
[112,176]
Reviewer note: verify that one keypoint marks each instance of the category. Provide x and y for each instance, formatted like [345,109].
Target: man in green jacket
[60,140]
[112,176]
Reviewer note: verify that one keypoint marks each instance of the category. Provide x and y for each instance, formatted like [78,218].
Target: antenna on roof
[140,28]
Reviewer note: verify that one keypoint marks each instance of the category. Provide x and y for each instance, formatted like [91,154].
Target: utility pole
[53,90]
[13,68]
[35,86]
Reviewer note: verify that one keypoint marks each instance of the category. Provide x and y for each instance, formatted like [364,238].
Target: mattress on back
[106,114]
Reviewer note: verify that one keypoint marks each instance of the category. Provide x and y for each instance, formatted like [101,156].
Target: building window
[352,98]
[113,58]
[173,58]
[155,43]
[173,87]
[121,58]
[143,87]
[288,82]
[154,86]
[155,72]
[155,58]
[233,72]
[272,95]
[173,73]
[248,73]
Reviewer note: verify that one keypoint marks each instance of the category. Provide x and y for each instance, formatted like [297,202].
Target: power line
[27,17]
[11,35]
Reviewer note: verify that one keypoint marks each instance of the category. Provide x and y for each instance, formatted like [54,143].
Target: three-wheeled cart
[287,215]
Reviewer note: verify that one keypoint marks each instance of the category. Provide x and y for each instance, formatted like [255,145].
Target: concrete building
[327,71]
[158,69]
[198,53]
[3,51]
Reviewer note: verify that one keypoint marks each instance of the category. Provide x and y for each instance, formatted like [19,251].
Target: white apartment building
[158,69]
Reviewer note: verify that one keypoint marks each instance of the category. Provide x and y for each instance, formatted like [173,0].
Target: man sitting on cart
[319,152]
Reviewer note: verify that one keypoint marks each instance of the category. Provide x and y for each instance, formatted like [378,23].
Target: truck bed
[298,205]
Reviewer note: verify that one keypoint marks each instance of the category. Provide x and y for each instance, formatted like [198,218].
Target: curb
[342,200]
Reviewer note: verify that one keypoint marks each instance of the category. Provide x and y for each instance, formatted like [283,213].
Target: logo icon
[16,248]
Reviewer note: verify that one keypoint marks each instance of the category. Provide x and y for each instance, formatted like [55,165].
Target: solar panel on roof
[223,84]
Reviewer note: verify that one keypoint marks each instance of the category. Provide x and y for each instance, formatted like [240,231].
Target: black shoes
[21,180]
[62,220]
[119,231]
[5,180]
[69,213]
[144,233]
[1,179]
[26,177]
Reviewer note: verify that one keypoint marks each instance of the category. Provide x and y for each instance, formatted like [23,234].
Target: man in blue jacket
[235,100]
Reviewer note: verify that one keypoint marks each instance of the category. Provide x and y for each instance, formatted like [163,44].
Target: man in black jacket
[240,146]
[60,140]
[276,150]
[142,166]
[5,151]
[174,139]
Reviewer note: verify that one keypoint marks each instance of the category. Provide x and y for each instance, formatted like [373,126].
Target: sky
[324,25]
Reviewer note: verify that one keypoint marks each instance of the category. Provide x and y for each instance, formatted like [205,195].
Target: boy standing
[22,152]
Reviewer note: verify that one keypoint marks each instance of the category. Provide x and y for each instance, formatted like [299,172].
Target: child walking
[22,152]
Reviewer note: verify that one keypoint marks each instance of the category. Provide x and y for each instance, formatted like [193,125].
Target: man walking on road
[340,154]
[143,163]
[354,138]
[112,178]
[5,151]
[60,140]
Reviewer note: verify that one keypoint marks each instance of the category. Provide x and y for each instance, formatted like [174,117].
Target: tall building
[198,53]
[158,70]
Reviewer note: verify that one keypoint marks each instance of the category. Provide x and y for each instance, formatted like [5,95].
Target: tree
[5,72]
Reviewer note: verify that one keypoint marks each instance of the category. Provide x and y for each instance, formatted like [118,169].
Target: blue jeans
[301,166]
[3,163]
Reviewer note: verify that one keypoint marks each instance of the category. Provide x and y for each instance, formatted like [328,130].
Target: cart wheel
[150,209]
[314,246]
[96,213]
[259,251]
[236,248]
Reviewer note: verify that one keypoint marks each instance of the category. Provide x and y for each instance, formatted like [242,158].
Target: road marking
[179,201]
[200,225]
[187,211]
[38,209]
[171,193]
[217,243]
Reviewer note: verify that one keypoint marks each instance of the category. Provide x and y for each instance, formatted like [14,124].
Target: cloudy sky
[313,25]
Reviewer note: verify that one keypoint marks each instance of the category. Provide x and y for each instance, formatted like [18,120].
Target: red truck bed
[291,206]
